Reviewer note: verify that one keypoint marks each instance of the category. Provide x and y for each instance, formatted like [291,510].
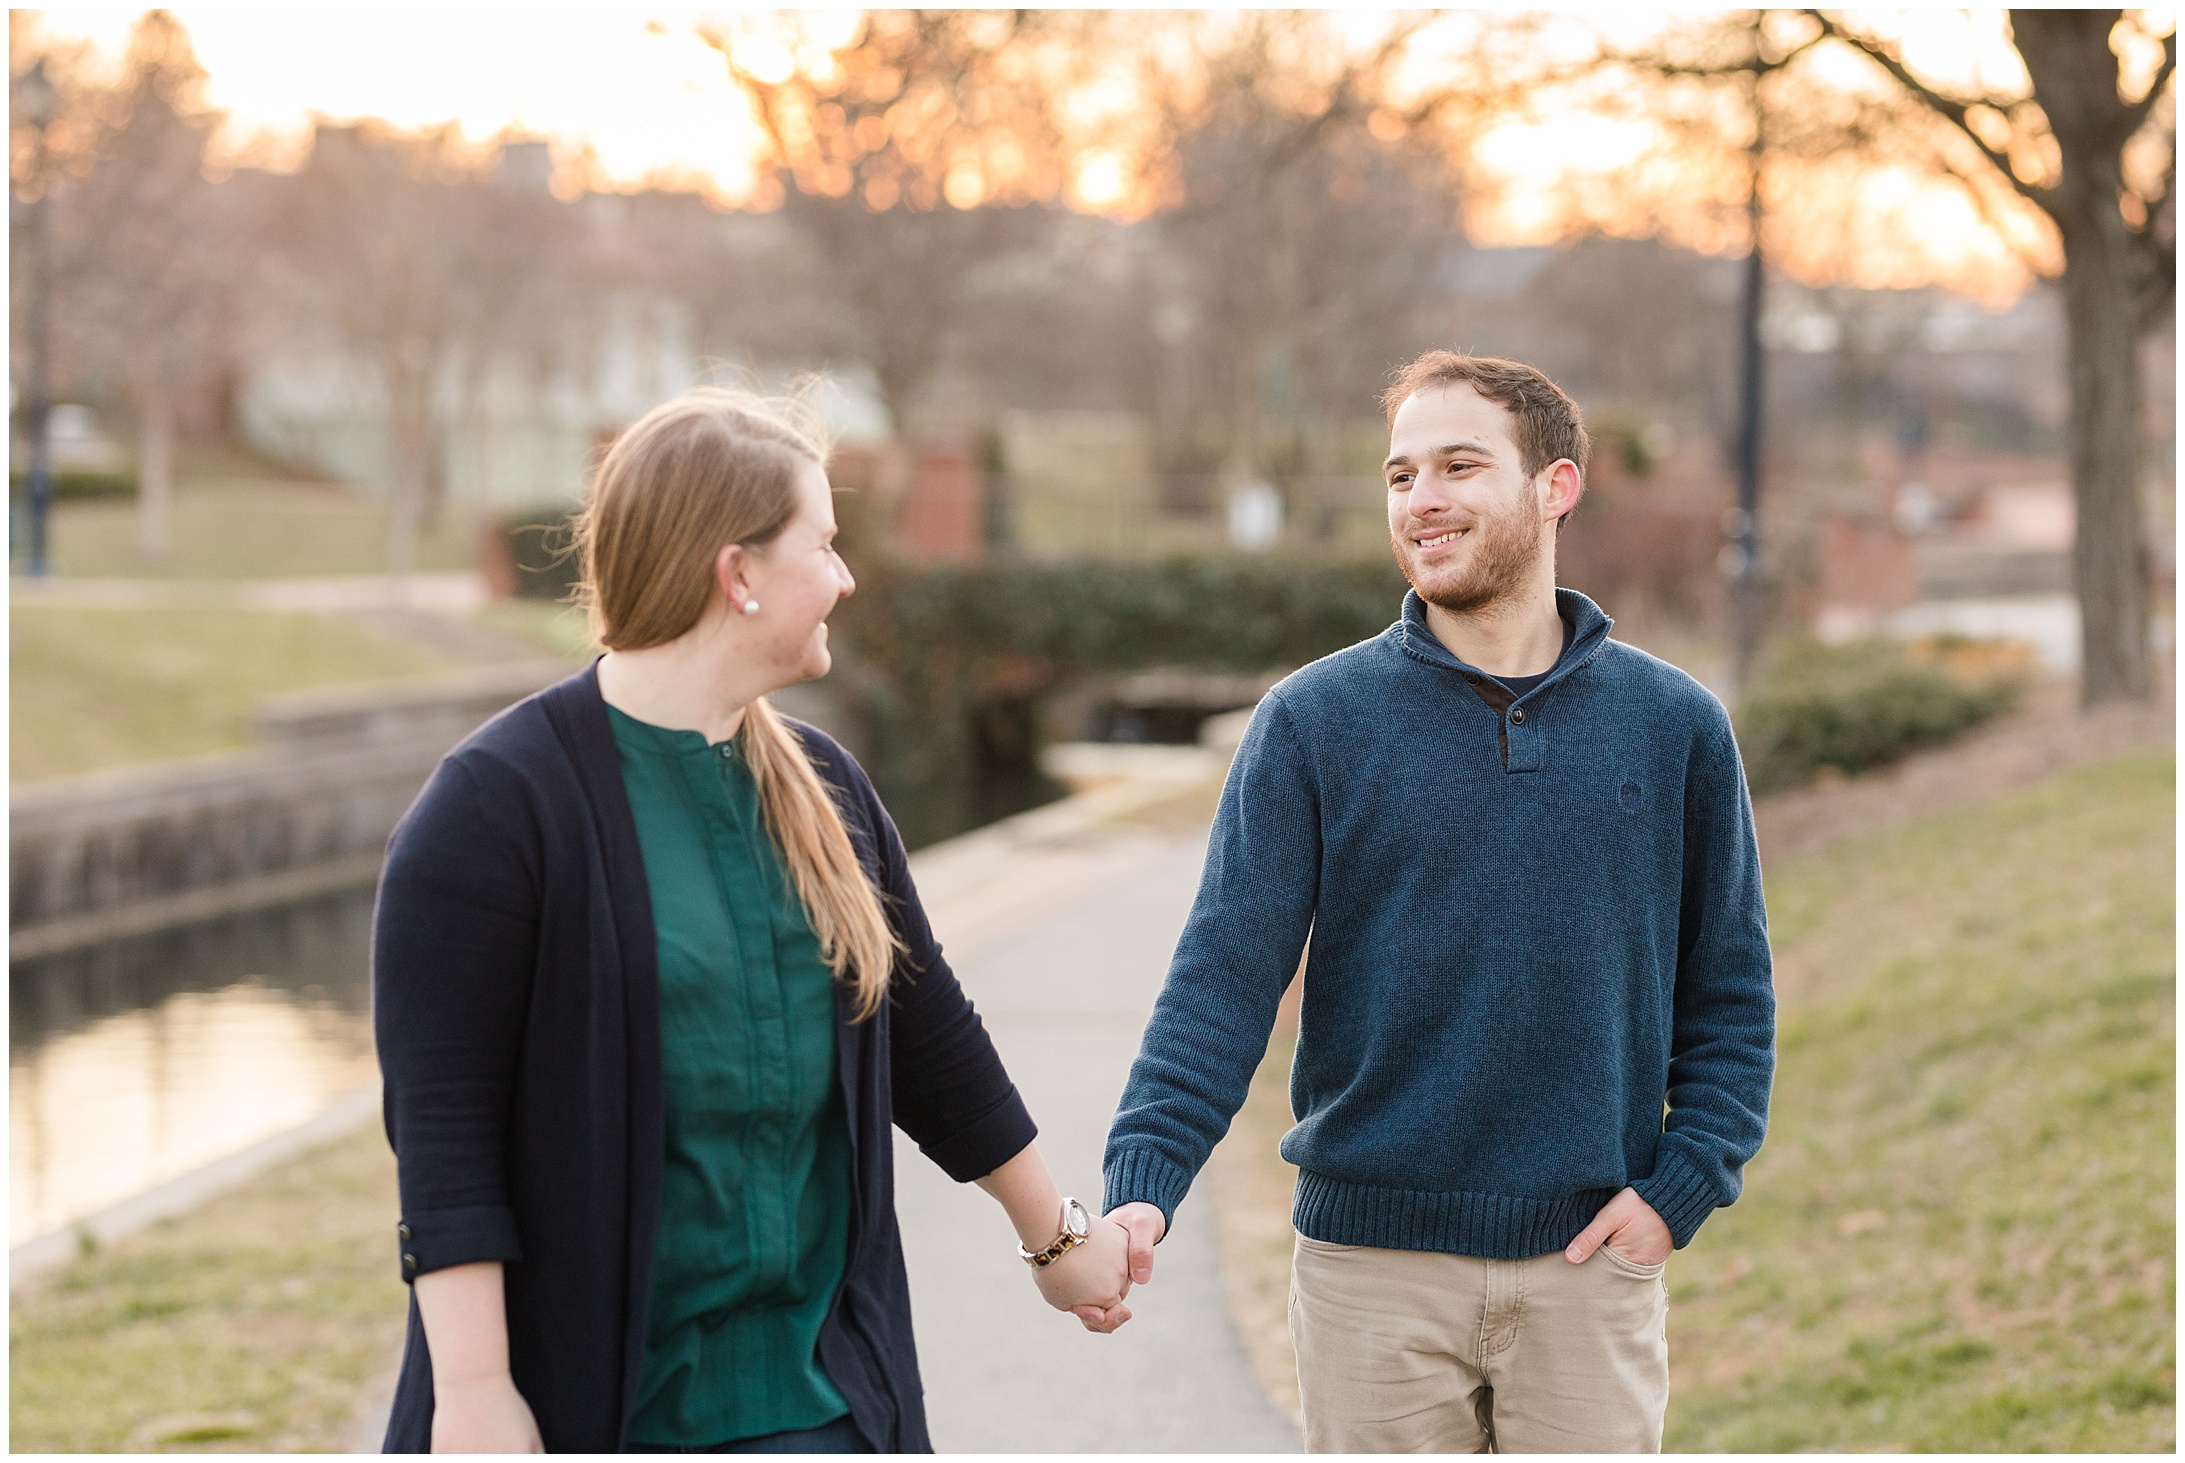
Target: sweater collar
[1588,636]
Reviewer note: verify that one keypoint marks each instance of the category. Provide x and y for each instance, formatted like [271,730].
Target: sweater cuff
[435,1239]
[1142,1176]
[1680,1194]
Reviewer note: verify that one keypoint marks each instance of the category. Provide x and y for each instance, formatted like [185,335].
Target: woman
[650,983]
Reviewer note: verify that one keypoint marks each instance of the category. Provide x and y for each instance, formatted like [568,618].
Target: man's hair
[1549,426]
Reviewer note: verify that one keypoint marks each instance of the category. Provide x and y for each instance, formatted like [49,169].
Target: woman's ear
[728,574]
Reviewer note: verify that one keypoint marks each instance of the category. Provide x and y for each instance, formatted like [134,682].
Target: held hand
[1092,1279]
[484,1416]
[1628,1225]
[1146,1224]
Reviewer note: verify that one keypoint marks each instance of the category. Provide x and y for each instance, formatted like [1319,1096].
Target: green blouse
[755,1198]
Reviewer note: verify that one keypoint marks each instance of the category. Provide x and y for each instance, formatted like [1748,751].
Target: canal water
[135,1062]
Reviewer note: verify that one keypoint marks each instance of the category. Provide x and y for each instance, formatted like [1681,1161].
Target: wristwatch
[1076,1225]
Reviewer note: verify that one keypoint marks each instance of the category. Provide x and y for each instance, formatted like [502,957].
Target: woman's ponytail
[854,935]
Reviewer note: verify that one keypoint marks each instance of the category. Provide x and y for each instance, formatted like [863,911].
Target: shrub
[79,483]
[541,561]
[1857,706]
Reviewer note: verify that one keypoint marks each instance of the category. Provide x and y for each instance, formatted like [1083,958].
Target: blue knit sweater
[1536,975]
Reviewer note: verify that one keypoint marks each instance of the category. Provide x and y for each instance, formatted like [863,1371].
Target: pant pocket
[1632,1267]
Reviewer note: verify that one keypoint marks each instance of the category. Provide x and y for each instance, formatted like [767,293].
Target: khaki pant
[1404,1351]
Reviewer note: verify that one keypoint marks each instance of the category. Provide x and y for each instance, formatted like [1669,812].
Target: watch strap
[1076,1228]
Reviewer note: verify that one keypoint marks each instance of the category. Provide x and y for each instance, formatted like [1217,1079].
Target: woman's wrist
[1027,1194]
[1040,1223]
[466,1325]
[464,1377]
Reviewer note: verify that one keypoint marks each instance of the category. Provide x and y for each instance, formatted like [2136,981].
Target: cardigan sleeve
[950,1091]
[453,944]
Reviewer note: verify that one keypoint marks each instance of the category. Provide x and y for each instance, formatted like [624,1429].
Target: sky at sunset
[630,97]
[640,88]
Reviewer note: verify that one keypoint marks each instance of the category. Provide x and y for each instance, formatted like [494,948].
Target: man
[1538,1022]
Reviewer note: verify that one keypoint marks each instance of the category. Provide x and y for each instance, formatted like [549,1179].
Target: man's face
[1467,524]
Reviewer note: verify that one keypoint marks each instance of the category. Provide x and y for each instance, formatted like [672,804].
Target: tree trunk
[2109,556]
[2074,77]
[155,476]
[2074,71]
[410,424]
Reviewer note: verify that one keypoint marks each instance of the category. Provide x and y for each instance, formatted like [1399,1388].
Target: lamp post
[1749,605]
[1751,386]
[34,99]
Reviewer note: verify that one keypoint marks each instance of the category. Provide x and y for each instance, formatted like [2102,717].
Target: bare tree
[2091,139]
[1314,204]
[151,255]
[910,166]
[2088,139]
[414,262]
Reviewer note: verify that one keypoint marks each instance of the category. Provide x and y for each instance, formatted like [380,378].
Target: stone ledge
[191,905]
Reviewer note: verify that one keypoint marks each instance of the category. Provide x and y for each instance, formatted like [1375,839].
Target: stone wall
[121,853]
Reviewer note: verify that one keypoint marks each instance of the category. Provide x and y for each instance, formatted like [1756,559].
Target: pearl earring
[751,606]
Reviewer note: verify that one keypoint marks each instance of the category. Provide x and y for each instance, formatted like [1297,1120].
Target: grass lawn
[1960,1233]
[250,1325]
[557,629]
[250,530]
[92,688]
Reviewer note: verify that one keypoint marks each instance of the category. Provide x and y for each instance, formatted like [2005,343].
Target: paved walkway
[1062,938]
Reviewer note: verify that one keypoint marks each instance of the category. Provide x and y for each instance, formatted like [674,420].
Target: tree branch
[2137,112]
[2156,251]
[1341,102]
[1727,69]
[1948,108]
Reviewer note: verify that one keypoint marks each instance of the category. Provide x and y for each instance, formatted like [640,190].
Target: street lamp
[33,99]
[1742,556]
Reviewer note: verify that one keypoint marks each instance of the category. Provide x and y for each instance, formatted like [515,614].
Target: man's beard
[1503,552]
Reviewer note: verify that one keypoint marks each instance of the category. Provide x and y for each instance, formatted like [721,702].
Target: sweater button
[1517,716]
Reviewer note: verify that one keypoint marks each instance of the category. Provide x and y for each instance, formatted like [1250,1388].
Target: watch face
[1076,1220]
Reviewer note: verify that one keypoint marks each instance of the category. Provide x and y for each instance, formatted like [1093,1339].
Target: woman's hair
[711,468]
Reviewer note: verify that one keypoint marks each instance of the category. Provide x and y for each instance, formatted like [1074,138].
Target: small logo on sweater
[1628,795]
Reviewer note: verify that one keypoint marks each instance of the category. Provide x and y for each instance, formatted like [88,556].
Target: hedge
[540,553]
[1857,706]
[79,483]
[950,665]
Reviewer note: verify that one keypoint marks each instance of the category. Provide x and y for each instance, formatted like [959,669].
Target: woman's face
[797,580]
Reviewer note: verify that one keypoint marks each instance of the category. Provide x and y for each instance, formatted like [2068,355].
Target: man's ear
[1562,490]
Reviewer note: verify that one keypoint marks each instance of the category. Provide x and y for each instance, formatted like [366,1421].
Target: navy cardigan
[516,1005]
